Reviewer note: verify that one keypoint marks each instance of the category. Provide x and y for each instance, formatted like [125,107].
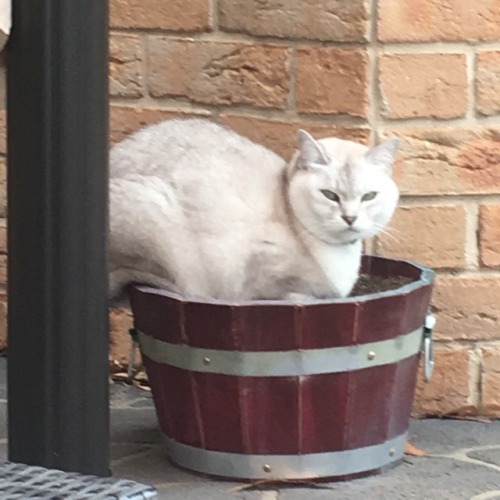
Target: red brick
[439,161]
[125,66]
[211,72]
[3,83]
[3,131]
[490,382]
[281,136]
[120,321]
[423,85]
[488,82]
[448,390]
[314,19]
[3,188]
[438,20]
[467,307]
[489,235]
[431,235]
[174,15]
[3,236]
[125,120]
[3,270]
[332,81]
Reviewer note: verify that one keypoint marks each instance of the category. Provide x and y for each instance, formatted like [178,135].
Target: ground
[463,461]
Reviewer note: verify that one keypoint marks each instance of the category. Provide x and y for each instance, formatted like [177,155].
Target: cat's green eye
[369,196]
[330,195]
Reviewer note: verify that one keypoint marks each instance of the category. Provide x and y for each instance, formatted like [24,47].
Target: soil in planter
[368,283]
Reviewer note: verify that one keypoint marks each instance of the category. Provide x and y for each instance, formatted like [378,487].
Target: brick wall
[425,70]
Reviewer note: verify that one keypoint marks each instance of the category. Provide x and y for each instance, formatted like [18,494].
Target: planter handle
[429,324]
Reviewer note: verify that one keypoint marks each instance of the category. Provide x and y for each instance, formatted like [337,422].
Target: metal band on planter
[335,463]
[282,363]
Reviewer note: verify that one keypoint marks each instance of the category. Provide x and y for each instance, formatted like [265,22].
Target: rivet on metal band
[309,465]
[282,363]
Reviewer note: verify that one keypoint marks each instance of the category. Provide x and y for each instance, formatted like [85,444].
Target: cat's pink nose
[350,219]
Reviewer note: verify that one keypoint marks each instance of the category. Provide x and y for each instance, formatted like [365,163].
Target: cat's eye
[330,195]
[369,196]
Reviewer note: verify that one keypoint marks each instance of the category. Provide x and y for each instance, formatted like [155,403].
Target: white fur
[198,209]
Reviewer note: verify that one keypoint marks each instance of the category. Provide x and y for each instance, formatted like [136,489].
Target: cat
[199,210]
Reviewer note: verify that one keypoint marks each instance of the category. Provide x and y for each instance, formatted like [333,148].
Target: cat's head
[342,191]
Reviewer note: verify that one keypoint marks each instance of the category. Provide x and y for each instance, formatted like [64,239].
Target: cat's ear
[310,151]
[384,154]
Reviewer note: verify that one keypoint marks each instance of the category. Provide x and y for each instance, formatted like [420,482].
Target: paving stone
[137,454]
[425,478]
[489,456]
[153,467]
[126,396]
[445,436]
[125,451]
[134,426]
[210,491]
[146,402]
[3,419]
[3,379]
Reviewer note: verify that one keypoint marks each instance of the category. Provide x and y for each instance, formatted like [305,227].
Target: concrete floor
[463,460]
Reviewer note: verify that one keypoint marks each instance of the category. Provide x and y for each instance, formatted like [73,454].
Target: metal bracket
[429,324]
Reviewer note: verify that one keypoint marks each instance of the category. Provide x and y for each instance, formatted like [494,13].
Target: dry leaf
[411,449]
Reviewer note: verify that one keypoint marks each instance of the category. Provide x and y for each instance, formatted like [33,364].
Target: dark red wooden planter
[278,390]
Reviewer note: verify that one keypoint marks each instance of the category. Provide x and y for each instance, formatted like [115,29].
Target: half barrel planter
[276,390]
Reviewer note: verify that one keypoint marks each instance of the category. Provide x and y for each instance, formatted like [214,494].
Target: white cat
[199,210]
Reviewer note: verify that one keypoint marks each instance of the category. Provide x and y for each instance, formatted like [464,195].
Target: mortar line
[474,398]
[144,44]
[444,344]
[464,273]
[271,114]
[234,37]
[471,92]
[214,15]
[385,47]
[471,235]
[440,123]
[168,103]
[480,401]
[461,455]
[436,47]
[292,73]
[449,199]
[373,92]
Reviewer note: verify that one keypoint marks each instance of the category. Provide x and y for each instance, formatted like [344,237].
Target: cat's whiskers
[387,232]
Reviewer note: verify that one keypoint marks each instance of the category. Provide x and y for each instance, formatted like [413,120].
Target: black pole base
[57,199]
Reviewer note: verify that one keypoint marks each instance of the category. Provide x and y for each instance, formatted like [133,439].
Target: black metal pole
[57,200]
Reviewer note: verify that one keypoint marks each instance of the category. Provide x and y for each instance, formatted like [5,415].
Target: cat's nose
[350,219]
